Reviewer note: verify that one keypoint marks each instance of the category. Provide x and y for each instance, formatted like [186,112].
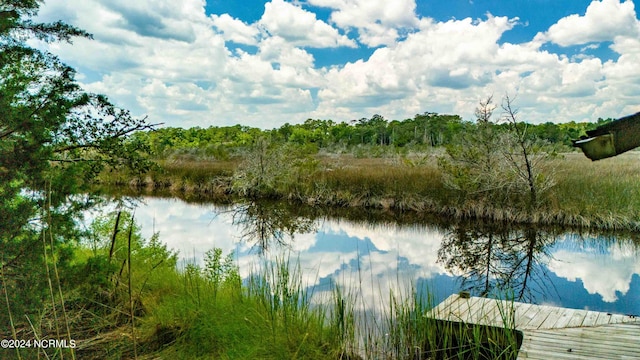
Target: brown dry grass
[602,194]
[607,188]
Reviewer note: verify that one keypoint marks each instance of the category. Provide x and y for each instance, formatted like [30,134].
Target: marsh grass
[602,195]
[384,178]
[203,312]
[606,190]
[401,324]
[136,301]
[269,316]
[177,175]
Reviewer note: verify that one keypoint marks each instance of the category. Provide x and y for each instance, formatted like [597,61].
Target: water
[377,254]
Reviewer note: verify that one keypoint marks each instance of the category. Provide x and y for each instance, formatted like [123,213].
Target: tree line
[428,129]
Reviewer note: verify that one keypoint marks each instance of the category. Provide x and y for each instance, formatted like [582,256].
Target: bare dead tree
[475,165]
[524,158]
[499,166]
[485,109]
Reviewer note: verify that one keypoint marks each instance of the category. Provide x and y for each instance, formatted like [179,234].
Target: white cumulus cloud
[605,276]
[377,21]
[603,21]
[300,27]
[235,30]
[179,65]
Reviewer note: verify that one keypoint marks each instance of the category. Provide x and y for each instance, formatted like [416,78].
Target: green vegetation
[500,170]
[121,296]
[127,297]
[422,132]
[491,173]
[195,312]
[54,140]
[602,195]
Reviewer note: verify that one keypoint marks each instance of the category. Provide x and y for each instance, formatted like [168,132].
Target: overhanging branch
[96,144]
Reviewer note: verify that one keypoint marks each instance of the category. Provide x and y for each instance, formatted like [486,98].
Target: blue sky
[263,63]
[533,16]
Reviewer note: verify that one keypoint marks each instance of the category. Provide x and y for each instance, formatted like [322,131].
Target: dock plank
[477,310]
[524,315]
[540,316]
[590,319]
[553,314]
[577,318]
[618,341]
[551,332]
[452,308]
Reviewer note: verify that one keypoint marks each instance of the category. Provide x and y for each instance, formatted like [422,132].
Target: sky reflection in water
[567,270]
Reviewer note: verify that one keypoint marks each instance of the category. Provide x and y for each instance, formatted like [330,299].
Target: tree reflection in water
[487,259]
[493,259]
[266,224]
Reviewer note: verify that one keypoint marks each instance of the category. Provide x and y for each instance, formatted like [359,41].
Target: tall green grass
[191,311]
[401,324]
[269,316]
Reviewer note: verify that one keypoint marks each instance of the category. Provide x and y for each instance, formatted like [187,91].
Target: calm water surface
[588,271]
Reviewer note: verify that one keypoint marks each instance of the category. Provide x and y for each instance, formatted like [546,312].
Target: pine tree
[54,140]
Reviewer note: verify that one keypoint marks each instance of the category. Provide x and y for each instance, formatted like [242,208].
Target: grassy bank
[126,297]
[599,195]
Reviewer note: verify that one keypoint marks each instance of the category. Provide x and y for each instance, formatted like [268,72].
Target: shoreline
[220,190]
[601,195]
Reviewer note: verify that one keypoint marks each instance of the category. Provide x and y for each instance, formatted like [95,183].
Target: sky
[265,63]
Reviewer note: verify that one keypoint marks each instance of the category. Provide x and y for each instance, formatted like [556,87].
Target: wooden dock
[550,332]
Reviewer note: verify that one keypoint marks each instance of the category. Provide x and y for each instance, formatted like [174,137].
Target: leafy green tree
[341,133]
[54,139]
